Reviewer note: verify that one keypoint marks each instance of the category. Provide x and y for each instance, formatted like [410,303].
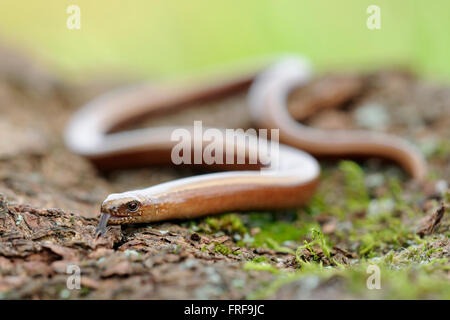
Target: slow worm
[290,182]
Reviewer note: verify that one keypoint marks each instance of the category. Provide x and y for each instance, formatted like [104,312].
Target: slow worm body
[287,182]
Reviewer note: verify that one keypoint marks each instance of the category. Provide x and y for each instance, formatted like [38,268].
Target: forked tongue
[101,228]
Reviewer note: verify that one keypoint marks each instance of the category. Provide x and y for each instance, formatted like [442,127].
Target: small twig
[431,224]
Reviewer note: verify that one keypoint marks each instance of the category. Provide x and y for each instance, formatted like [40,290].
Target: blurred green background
[167,37]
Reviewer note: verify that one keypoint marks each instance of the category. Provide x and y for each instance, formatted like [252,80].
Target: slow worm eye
[132,206]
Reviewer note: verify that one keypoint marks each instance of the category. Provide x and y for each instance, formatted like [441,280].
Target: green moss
[395,189]
[380,230]
[268,289]
[318,242]
[355,188]
[229,223]
[84,291]
[411,267]
[409,283]
[273,235]
[379,234]
[222,249]
[260,259]
[441,151]
[261,266]
[317,204]
[274,245]
[319,238]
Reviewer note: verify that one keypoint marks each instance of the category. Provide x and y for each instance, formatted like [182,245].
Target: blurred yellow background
[167,37]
